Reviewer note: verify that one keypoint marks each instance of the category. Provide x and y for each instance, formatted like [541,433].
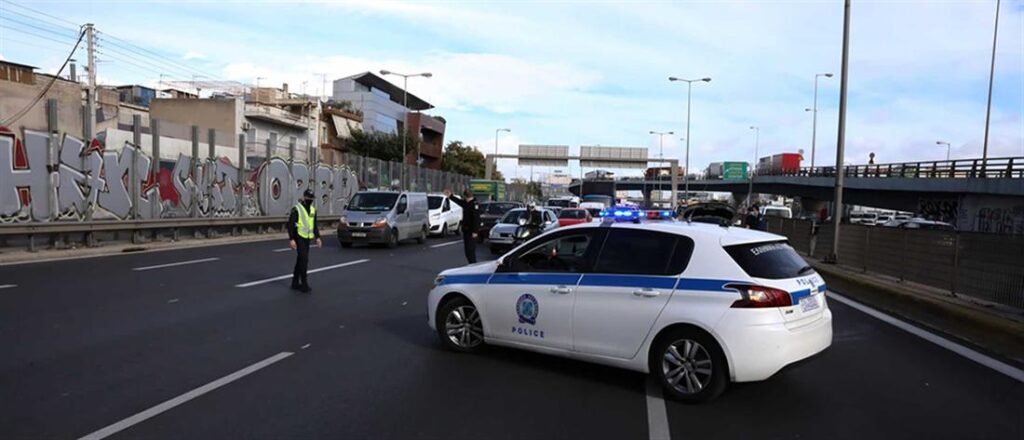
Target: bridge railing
[981,265]
[994,168]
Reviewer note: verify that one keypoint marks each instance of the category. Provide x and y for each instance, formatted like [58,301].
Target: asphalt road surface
[197,343]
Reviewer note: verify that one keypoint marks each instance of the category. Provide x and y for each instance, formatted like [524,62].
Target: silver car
[501,237]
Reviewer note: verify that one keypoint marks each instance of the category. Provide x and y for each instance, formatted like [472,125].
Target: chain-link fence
[984,266]
[381,174]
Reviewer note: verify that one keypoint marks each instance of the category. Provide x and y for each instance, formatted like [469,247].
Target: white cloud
[193,55]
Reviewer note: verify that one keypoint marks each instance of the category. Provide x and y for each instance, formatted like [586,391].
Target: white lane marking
[156,410]
[283,249]
[445,244]
[657,416]
[8,286]
[285,277]
[968,353]
[180,263]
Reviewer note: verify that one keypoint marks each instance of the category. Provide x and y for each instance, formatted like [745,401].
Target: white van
[385,217]
[776,211]
[445,216]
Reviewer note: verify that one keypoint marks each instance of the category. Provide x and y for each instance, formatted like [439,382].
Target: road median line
[445,244]
[179,263]
[169,404]
[285,277]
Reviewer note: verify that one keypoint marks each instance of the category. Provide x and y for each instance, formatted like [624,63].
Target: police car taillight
[757,297]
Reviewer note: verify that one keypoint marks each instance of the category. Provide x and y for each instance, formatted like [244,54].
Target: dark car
[715,213]
[490,213]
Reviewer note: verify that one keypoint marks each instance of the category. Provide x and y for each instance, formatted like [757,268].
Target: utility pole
[814,111]
[837,215]
[90,102]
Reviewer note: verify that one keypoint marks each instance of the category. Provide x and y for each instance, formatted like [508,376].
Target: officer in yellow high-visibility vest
[302,231]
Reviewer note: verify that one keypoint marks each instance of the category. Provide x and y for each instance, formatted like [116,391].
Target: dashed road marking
[179,263]
[285,277]
[445,244]
[657,415]
[156,410]
[961,350]
[8,286]
[283,249]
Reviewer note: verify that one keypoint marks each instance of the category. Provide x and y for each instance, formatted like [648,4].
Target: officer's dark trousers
[301,262]
[469,244]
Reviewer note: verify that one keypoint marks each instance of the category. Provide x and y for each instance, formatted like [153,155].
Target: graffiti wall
[87,181]
[993,214]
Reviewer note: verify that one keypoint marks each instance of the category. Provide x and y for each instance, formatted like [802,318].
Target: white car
[445,216]
[696,305]
[500,238]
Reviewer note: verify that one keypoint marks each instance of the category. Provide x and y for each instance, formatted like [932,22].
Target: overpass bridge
[897,186]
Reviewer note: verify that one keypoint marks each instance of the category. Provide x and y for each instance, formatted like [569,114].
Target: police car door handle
[646,293]
[562,290]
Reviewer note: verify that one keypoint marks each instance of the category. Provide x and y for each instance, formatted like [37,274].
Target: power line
[72,30]
[35,34]
[112,51]
[60,34]
[122,42]
[46,89]
[38,12]
[36,44]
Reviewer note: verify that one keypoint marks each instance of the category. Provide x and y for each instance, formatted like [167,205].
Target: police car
[694,304]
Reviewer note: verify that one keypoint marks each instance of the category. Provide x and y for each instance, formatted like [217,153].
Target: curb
[44,256]
[996,335]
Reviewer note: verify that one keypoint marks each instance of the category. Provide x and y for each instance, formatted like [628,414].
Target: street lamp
[258,78]
[814,110]
[661,138]
[947,148]
[757,138]
[405,104]
[686,170]
[494,161]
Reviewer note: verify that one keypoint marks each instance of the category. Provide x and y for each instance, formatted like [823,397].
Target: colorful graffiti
[85,181]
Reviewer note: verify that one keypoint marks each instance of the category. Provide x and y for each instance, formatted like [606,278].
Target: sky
[596,72]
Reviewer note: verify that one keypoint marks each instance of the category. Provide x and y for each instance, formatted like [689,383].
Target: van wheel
[392,239]
[423,236]
[444,230]
[689,365]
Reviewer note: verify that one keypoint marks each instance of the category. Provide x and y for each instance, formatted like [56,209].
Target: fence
[984,266]
[995,168]
[380,174]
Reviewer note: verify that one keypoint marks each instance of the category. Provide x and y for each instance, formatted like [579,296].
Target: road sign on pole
[613,157]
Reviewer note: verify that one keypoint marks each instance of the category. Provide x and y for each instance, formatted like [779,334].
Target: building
[338,125]
[20,86]
[388,108]
[136,95]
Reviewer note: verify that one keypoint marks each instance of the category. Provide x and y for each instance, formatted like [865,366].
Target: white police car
[696,305]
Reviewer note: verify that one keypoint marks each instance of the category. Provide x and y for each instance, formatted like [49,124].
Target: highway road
[204,343]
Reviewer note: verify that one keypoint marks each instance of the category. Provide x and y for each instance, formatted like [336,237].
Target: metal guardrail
[984,266]
[995,168]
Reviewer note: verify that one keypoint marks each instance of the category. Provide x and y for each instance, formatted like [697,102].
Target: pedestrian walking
[302,231]
[470,221]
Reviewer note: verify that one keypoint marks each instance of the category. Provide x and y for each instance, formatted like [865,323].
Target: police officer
[302,230]
[470,221]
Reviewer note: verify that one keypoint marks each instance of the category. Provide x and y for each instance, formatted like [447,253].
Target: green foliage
[534,189]
[464,159]
[380,145]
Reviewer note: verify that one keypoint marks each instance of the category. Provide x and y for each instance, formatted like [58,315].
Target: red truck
[782,163]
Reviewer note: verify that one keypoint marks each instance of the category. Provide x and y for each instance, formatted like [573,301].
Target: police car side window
[640,252]
[563,254]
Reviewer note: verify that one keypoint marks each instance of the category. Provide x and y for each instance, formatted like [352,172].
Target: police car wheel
[689,365]
[444,229]
[459,326]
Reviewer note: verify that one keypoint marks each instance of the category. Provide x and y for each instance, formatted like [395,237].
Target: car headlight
[381,222]
[438,280]
[343,219]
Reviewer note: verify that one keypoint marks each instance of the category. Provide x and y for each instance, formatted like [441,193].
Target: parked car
[384,217]
[721,305]
[501,235]
[864,218]
[574,216]
[920,223]
[777,211]
[490,213]
[445,216]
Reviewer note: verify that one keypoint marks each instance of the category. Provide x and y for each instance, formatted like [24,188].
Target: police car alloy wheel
[690,366]
[459,326]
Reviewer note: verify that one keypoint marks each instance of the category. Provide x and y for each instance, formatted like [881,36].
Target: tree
[464,159]
[381,145]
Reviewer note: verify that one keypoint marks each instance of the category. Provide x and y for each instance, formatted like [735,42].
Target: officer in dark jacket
[470,221]
[302,230]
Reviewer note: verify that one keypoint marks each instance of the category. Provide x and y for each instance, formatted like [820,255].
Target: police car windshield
[497,208]
[434,202]
[514,215]
[372,201]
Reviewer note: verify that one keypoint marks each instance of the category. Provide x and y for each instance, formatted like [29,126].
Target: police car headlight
[438,280]
[381,222]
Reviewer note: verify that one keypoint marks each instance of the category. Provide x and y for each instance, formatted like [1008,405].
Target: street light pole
[991,78]
[814,115]
[947,148]
[837,214]
[686,167]
[661,149]
[405,124]
[757,140]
